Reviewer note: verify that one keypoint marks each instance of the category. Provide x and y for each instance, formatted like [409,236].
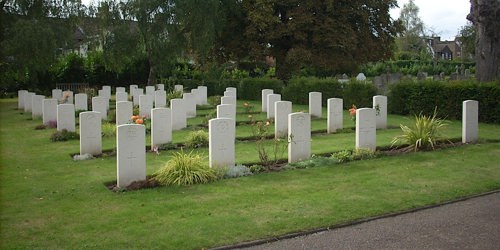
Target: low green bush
[344,156]
[108,129]
[251,88]
[197,139]
[237,171]
[64,135]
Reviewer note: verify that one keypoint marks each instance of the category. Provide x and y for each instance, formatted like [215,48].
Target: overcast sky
[444,17]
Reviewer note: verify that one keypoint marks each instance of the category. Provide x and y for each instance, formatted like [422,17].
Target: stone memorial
[179,88]
[160,87]
[49,111]
[124,112]
[81,102]
[99,104]
[264,94]
[315,108]
[366,129]
[361,77]
[107,91]
[160,99]
[66,117]
[121,97]
[120,90]
[232,91]
[132,89]
[190,104]
[178,114]
[90,133]
[67,97]
[135,96]
[161,126]
[150,90]
[28,98]
[226,111]
[228,100]
[57,94]
[20,98]
[299,136]
[380,107]
[130,154]
[197,96]
[470,126]
[271,99]
[37,106]
[282,109]
[204,94]
[221,150]
[335,118]
[145,105]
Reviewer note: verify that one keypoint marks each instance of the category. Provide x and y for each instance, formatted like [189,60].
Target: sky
[443,17]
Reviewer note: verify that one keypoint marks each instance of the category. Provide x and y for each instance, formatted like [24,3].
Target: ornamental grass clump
[185,169]
[423,135]
[197,139]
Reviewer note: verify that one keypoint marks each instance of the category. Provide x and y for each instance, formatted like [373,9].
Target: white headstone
[228,100]
[135,96]
[150,90]
[197,96]
[282,110]
[56,94]
[28,101]
[190,104]
[130,154]
[124,112]
[160,86]
[178,114]
[66,117]
[121,97]
[145,105]
[380,106]
[470,118]
[120,90]
[221,134]
[335,119]
[264,94]
[231,91]
[107,91]
[226,111]
[160,99]
[99,104]
[90,133]
[271,99]
[366,137]
[179,88]
[132,88]
[37,106]
[203,94]
[20,98]
[299,136]
[315,104]
[81,102]
[161,126]
[361,77]
[101,93]
[67,97]
[49,111]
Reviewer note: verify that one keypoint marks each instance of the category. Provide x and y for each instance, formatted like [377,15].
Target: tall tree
[411,44]
[485,15]
[328,35]
[468,40]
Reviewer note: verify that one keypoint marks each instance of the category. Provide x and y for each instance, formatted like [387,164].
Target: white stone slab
[226,111]
[361,77]
[228,100]
[160,99]
[231,91]
[57,94]
[90,133]
[161,126]
[66,117]
[67,97]
[37,106]
[282,110]
[299,136]
[335,118]
[135,96]
[179,88]
[178,114]
[190,104]
[470,119]
[315,107]
[20,98]
[81,102]
[124,112]
[366,130]
[380,106]
[121,97]
[271,99]
[221,134]
[107,91]
[49,110]
[160,86]
[99,104]
[150,90]
[28,101]
[264,94]
[120,90]
[130,154]
[145,105]
[197,96]
[204,94]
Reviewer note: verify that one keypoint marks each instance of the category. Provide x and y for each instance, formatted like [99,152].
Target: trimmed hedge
[410,97]
[353,92]
[251,88]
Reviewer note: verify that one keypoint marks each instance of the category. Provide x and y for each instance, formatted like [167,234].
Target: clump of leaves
[237,171]
[214,100]
[311,162]
[423,135]
[257,168]
[108,129]
[185,169]
[211,115]
[353,155]
[40,127]
[166,146]
[63,135]
[197,139]
[174,95]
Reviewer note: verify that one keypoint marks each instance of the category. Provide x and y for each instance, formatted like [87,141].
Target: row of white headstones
[131,139]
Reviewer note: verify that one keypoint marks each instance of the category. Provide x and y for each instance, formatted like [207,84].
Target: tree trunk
[484,14]
[152,73]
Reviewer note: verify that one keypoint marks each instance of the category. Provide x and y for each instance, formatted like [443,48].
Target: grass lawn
[47,200]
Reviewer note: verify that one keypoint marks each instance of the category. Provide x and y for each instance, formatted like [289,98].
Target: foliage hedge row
[412,67]
[410,97]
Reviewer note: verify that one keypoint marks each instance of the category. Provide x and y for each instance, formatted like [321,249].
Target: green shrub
[63,135]
[311,162]
[197,139]
[257,168]
[108,129]
[423,135]
[185,169]
[40,127]
[214,100]
[173,95]
[251,88]
[344,156]
[237,171]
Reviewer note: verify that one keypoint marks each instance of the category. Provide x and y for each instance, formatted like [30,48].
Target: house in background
[445,50]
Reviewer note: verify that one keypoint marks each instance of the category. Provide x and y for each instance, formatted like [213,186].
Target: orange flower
[352,111]
[134,117]
[139,121]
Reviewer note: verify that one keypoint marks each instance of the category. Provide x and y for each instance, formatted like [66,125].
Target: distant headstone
[190,104]
[107,91]
[66,117]
[226,111]
[150,90]
[335,119]
[67,97]
[132,89]
[228,100]
[160,99]
[81,102]
[299,136]
[221,134]
[315,104]
[121,97]
[49,111]
[366,129]
[470,126]
[120,90]
[160,87]
[99,104]
[124,112]
[282,110]
[380,107]
[130,154]
[28,101]
[271,99]
[197,96]
[145,105]
[178,114]
[203,94]
[37,105]
[343,78]
[135,96]
[361,77]
[264,94]
[90,133]
[179,88]
[161,126]
[57,94]
[20,98]
[233,92]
